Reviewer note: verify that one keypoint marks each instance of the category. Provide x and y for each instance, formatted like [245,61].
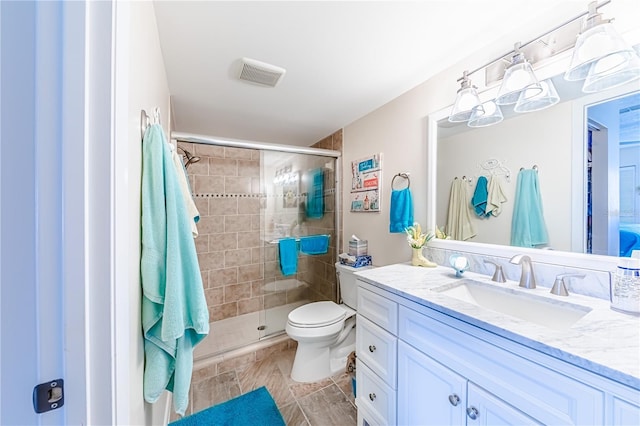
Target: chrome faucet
[498,275]
[527,279]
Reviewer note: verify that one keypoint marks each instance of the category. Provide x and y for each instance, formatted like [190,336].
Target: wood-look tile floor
[329,402]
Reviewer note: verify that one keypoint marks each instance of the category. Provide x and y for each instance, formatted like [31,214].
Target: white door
[428,392]
[55,80]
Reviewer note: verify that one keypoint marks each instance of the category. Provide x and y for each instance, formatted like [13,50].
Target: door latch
[48,396]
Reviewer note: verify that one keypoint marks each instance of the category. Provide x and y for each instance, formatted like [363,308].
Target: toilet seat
[317,314]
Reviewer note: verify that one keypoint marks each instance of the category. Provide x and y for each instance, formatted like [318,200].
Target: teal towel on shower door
[314,244]
[288,250]
[315,194]
[175,317]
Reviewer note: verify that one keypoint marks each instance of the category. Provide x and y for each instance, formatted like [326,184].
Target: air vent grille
[260,73]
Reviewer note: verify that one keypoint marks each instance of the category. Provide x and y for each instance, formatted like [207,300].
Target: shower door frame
[236,143]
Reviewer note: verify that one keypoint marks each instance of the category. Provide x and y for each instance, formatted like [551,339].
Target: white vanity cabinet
[376,348]
[449,372]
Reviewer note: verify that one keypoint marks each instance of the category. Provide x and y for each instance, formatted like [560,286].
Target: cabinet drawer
[548,396]
[375,396]
[377,348]
[380,310]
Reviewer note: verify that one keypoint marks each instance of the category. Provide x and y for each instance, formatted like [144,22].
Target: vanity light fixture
[492,115]
[467,101]
[518,79]
[546,98]
[617,76]
[599,50]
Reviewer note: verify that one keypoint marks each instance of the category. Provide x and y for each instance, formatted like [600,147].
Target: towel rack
[496,168]
[466,179]
[535,167]
[146,121]
[277,240]
[404,175]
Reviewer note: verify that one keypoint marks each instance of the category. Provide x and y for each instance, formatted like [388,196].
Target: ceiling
[342,59]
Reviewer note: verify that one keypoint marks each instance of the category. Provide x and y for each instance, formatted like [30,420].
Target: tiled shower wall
[226,189]
[234,261]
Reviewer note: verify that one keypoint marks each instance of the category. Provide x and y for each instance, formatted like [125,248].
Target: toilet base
[313,362]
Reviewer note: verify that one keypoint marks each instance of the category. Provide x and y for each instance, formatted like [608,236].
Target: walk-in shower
[250,195]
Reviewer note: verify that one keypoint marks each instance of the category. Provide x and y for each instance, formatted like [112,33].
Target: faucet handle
[559,285]
[498,274]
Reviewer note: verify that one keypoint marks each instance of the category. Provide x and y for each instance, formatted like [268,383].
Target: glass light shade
[492,115]
[517,78]
[467,101]
[624,73]
[596,43]
[548,97]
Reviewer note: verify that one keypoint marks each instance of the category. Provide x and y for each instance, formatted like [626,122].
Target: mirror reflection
[503,171]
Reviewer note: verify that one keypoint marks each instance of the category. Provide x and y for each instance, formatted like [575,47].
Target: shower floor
[236,332]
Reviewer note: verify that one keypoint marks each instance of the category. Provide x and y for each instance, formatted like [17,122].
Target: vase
[417,259]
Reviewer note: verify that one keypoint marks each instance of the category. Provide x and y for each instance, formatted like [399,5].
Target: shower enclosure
[249,196]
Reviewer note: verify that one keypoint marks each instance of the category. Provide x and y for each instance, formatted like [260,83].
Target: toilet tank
[347,281]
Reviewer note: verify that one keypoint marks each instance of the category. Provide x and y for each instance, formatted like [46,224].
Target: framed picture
[365,184]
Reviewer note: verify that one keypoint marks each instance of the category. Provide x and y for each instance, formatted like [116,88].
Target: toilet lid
[317,314]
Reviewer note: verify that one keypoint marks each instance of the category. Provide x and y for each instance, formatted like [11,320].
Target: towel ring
[402,175]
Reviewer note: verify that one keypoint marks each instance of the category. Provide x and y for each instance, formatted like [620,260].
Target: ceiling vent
[260,73]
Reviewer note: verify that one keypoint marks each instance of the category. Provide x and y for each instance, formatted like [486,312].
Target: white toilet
[325,331]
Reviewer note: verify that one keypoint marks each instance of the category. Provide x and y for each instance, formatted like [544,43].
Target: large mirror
[586,150]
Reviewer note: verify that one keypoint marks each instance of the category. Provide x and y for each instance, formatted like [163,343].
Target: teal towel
[401,210]
[479,199]
[314,244]
[175,316]
[288,256]
[528,228]
[315,194]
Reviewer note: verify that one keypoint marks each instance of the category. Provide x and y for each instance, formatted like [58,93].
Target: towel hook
[535,167]
[144,122]
[404,175]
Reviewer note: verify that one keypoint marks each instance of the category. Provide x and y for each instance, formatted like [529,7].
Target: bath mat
[254,408]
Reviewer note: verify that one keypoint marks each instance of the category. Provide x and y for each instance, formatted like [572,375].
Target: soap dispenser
[625,285]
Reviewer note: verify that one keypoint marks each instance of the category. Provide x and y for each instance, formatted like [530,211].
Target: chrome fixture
[498,274]
[467,101]
[189,157]
[519,79]
[601,57]
[527,278]
[559,285]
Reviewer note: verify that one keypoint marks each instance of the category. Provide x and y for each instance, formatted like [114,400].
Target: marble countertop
[604,341]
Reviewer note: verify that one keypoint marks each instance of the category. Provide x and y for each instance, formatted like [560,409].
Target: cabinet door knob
[372,396]
[372,348]
[454,399]
[472,412]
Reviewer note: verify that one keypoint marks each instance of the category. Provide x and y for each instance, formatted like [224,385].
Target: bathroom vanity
[432,349]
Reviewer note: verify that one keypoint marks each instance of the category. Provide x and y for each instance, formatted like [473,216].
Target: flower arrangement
[415,237]
[440,234]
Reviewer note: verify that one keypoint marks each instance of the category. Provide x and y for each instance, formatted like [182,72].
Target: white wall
[543,139]
[143,86]
[399,130]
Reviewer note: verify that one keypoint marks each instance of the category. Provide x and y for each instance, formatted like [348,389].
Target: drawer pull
[454,399]
[372,348]
[372,396]
[472,412]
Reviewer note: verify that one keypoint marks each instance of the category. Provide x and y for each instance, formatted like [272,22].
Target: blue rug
[254,408]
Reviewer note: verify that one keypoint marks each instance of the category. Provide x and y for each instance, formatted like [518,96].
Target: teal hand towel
[314,244]
[528,228]
[479,199]
[315,194]
[288,251]
[175,316]
[401,210]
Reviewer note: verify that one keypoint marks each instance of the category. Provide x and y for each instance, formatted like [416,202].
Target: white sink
[549,312]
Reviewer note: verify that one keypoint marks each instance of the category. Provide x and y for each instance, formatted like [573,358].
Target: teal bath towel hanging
[315,194]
